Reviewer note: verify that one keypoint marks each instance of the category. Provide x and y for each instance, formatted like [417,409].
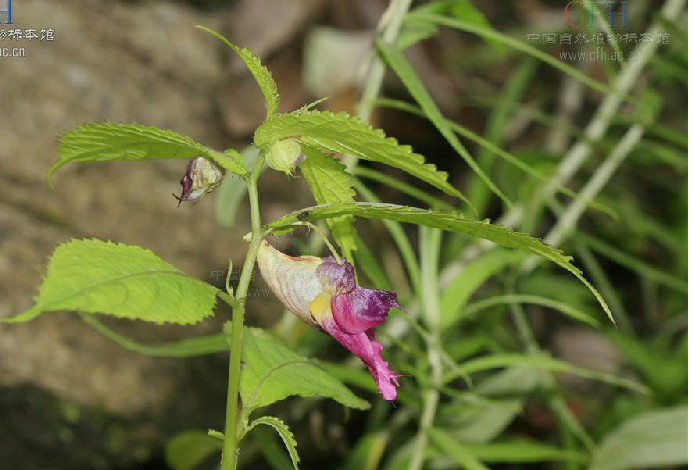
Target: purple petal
[368,349]
[201,177]
[186,182]
[362,309]
[336,277]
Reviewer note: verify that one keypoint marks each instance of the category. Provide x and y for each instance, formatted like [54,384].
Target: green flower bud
[201,177]
[285,155]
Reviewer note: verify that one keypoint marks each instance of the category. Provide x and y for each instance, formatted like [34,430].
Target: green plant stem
[229,456]
[390,24]
[430,240]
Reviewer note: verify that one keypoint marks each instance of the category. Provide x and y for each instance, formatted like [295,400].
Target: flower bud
[201,177]
[285,155]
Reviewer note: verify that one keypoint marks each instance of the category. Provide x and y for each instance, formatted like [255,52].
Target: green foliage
[284,432]
[651,440]
[342,133]
[657,362]
[330,183]
[480,417]
[493,35]
[399,236]
[273,372]
[564,308]
[188,347]
[99,142]
[462,9]
[94,276]
[274,452]
[524,451]
[458,452]
[490,148]
[231,191]
[539,361]
[404,188]
[368,452]
[406,73]
[188,449]
[461,288]
[635,264]
[452,221]
[262,76]
[464,427]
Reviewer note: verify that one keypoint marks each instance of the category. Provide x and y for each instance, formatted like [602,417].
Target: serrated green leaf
[342,133]
[404,188]
[491,148]
[654,439]
[400,238]
[106,141]
[284,432]
[260,73]
[274,452]
[95,276]
[399,64]
[330,183]
[188,449]
[273,372]
[451,221]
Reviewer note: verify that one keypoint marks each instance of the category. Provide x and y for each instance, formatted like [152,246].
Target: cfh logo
[7,12]
[579,14]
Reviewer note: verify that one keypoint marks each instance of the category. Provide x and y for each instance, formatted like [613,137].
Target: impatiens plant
[93,276]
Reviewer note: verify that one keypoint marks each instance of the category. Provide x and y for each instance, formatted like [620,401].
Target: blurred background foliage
[531,373]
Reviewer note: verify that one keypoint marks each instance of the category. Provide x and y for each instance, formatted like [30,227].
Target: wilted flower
[201,177]
[285,155]
[324,294]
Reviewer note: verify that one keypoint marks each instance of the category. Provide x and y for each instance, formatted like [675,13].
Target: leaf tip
[30,314]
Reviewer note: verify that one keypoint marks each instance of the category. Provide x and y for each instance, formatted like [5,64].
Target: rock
[250,25]
[117,62]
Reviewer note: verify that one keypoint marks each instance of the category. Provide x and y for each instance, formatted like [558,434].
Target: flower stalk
[229,456]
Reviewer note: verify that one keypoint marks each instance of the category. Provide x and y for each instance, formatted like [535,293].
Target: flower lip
[362,309]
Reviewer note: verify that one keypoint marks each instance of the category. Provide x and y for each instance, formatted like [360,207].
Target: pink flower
[324,294]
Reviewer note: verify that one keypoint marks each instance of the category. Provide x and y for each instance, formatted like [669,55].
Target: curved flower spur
[323,292]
